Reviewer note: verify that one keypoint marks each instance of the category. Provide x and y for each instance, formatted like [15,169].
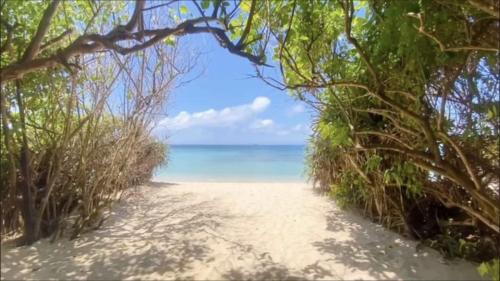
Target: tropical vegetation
[406,95]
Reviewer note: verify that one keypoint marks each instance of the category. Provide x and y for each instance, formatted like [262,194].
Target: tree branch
[248,25]
[159,5]
[10,30]
[388,116]
[462,156]
[490,7]
[56,39]
[43,27]
[348,7]
[442,46]
[91,43]
[385,135]
[136,16]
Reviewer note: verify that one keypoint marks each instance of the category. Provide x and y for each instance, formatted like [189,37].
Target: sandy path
[232,231]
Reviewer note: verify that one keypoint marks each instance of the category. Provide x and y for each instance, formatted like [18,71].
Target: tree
[136,34]
[65,149]
[407,95]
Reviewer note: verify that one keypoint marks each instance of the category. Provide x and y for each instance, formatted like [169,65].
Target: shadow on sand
[164,238]
[135,241]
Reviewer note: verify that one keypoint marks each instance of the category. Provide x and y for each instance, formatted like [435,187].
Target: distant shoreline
[268,145]
[228,181]
[234,163]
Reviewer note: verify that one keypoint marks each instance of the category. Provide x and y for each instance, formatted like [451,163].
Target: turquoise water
[233,163]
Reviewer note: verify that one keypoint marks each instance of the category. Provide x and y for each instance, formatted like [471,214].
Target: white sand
[232,231]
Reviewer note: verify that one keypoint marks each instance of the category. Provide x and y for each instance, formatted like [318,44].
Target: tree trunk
[27,202]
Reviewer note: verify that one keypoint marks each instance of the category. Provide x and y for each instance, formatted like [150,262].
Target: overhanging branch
[91,43]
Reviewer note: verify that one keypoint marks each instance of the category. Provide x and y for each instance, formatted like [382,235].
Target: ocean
[238,163]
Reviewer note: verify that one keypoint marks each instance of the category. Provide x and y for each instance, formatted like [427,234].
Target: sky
[226,106]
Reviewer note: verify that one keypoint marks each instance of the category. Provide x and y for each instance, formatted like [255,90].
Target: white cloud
[260,103]
[300,129]
[269,127]
[296,109]
[262,124]
[216,118]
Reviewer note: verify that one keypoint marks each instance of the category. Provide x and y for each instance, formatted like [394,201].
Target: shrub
[71,145]
[490,269]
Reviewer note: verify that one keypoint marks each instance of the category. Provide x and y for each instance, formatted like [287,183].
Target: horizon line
[255,144]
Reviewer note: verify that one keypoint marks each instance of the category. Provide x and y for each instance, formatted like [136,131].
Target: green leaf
[205,4]
[490,269]
[170,40]
[373,163]
[184,10]
[303,38]
[245,5]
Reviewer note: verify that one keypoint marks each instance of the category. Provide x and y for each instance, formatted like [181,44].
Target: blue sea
[247,163]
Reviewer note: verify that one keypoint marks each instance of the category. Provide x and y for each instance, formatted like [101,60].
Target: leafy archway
[406,93]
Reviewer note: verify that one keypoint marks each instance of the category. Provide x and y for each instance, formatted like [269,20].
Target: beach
[232,231]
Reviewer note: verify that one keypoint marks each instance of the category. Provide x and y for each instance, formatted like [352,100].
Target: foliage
[77,112]
[72,144]
[407,96]
[490,269]
[40,35]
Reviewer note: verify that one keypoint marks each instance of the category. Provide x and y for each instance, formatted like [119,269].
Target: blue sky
[225,106]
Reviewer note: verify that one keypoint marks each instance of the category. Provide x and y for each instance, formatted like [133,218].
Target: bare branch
[136,16]
[462,156]
[159,5]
